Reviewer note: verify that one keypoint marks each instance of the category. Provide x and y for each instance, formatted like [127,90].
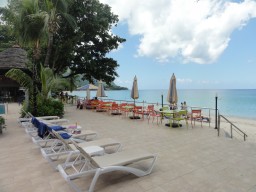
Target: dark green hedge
[50,107]
[47,107]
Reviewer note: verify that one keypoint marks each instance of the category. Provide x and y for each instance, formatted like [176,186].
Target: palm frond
[22,78]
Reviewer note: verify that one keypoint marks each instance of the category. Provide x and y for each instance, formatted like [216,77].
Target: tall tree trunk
[34,89]
[49,50]
[35,63]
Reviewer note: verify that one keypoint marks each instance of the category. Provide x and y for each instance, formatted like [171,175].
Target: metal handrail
[232,126]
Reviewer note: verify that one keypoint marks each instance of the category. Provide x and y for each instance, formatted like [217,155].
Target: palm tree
[31,25]
[31,29]
[21,77]
[48,80]
[24,80]
[34,21]
[56,11]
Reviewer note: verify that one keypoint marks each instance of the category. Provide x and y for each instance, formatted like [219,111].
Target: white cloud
[204,82]
[196,31]
[184,80]
[121,82]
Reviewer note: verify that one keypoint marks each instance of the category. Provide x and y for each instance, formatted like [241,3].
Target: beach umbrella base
[173,125]
[117,113]
[101,110]
[134,117]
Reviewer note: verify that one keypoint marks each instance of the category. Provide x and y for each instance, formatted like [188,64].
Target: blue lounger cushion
[42,130]
[35,122]
[65,135]
[57,128]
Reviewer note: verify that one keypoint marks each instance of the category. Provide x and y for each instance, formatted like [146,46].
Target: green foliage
[56,11]
[91,41]
[48,82]
[2,121]
[21,77]
[50,107]
[7,40]
[110,86]
[46,28]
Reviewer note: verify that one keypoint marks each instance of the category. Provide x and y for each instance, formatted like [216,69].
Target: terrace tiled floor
[193,160]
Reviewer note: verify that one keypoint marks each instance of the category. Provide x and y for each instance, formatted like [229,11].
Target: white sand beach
[248,126]
[193,159]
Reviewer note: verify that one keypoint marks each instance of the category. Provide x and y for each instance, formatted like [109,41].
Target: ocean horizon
[231,102]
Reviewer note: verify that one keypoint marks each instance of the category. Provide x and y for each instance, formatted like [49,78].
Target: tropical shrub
[48,107]
[2,123]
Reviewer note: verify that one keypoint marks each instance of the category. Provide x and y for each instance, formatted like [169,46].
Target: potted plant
[2,124]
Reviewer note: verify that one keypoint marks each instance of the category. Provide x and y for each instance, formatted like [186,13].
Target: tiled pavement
[189,160]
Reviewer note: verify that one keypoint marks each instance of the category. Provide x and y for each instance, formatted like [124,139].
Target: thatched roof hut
[10,58]
[14,57]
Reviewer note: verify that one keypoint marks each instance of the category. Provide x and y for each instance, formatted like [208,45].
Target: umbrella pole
[133,109]
[162,97]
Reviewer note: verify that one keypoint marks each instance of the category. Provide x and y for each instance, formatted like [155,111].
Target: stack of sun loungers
[81,155]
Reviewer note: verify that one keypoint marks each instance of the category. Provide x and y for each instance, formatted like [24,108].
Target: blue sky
[210,44]
[3,3]
[216,43]
[234,69]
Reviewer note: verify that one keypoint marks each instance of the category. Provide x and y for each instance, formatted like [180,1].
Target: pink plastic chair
[151,113]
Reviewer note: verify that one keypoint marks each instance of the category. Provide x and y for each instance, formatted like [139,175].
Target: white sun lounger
[32,130]
[61,147]
[45,135]
[55,121]
[120,161]
[28,117]
[85,135]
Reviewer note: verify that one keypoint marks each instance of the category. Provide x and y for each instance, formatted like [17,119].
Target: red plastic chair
[138,110]
[123,110]
[115,109]
[151,113]
[196,115]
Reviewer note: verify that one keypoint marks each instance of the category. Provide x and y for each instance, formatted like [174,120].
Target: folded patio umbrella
[134,93]
[101,91]
[172,96]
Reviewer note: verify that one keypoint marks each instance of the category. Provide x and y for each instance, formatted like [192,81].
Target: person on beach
[185,105]
[181,106]
[61,96]
[66,97]
[78,103]
[173,106]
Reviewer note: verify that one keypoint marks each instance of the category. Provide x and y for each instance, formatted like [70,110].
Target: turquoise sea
[231,102]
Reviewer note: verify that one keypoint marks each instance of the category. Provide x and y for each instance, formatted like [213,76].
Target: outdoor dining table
[171,112]
[102,107]
[128,108]
[107,105]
